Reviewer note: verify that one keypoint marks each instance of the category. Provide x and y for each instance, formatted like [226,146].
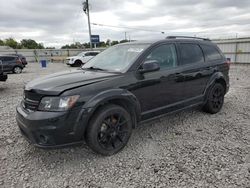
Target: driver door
[158,90]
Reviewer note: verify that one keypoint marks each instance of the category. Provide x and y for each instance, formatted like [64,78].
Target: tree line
[102,44]
[23,44]
[32,44]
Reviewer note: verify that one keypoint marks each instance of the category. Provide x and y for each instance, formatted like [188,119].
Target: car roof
[188,40]
[90,51]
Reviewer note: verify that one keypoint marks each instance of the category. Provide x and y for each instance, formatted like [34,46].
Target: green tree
[76,45]
[123,41]
[114,42]
[108,42]
[86,45]
[11,43]
[40,46]
[1,42]
[102,44]
[29,43]
[67,46]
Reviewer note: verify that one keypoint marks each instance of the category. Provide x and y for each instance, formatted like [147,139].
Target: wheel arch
[17,66]
[78,60]
[216,78]
[119,97]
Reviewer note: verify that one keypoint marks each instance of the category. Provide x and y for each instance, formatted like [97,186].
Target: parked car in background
[3,75]
[12,63]
[21,57]
[81,58]
[128,83]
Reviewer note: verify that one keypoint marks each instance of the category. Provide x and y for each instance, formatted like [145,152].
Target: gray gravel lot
[187,149]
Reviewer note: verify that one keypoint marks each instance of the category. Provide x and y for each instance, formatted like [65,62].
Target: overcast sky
[55,23]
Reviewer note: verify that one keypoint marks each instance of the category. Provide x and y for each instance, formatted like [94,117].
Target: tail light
[228,62]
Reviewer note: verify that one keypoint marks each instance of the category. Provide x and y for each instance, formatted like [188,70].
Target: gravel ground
[187,149]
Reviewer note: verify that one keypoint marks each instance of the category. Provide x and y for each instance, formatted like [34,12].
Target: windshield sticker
[138,50]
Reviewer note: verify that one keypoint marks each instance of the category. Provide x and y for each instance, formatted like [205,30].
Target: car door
[87,57]
[158,91]
[192,70]
[7,63]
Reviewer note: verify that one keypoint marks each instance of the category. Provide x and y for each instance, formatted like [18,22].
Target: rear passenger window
[191,53]
[211,53]
[165,55]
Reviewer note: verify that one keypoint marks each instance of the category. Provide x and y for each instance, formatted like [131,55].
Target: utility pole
[86,11]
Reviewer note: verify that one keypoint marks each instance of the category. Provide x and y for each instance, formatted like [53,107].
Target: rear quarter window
[211,53]
[190,53]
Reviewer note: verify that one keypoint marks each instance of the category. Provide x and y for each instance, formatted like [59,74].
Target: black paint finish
[146,95]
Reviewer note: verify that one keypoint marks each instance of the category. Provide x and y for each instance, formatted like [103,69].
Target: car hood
[55,84]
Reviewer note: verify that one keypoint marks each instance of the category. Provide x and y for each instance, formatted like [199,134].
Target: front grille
[30,104]
[31,100]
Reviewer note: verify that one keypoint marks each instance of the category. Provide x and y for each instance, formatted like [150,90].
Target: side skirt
[156,113]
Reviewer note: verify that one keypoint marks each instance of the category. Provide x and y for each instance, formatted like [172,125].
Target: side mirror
[149,66]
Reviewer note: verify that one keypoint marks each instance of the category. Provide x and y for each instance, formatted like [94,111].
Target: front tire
[109,130]
[215,99]
[77,63]
[17,70]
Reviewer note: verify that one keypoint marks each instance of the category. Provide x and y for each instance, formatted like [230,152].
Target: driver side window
[165,55]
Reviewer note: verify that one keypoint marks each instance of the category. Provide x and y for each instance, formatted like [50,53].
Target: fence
[238,50]
[35,55]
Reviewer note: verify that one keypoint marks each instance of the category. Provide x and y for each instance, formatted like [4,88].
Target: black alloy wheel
[109,130]
[215,99]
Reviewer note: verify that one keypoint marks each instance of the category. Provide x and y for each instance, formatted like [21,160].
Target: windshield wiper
[93,68]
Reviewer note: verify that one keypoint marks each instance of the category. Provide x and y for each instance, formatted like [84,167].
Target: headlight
[57,104]
[72,59]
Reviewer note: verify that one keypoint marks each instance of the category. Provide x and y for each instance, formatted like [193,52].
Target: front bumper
[70,62]
[52,129]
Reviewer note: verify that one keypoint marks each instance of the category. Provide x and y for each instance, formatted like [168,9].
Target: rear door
[193,70]
[8,63]
[215,60]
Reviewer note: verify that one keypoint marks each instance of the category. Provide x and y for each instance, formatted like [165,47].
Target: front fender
[106,96]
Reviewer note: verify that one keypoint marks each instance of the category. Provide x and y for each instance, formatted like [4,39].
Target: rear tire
[109,130]
[17,70]
[215,99]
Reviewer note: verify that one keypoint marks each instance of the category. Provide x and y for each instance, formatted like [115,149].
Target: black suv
[22,58]
[126,84]
[3,75]
[12,63]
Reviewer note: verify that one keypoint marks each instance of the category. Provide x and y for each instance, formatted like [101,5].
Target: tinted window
[165,55]
[191,53]
[8,58]
[88,54]
[93,53]
[211,52]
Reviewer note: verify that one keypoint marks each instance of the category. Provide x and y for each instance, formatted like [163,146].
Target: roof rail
[187,37]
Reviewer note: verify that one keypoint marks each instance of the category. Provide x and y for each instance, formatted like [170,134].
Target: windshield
[116,58]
